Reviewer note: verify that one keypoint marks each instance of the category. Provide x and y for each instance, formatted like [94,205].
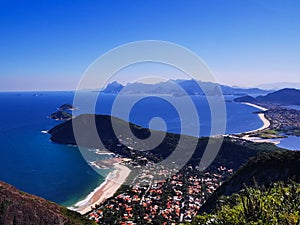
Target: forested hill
[264,169]
[233,153]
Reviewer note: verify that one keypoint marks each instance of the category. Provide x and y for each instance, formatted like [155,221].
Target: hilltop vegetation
[180,190]
[276,204]
[233,153]
[266,190]
[266,168]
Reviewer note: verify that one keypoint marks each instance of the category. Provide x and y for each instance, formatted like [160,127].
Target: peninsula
[190,185]
[279,120]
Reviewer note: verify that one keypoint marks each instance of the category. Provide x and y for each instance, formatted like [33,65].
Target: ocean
[29,161]
[290,143]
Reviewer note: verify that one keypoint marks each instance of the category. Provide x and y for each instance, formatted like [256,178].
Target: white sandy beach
[106,190]
[266,123]
[256,106]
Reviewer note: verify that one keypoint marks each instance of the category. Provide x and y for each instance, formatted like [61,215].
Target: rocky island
[65,107]
[60,115]
[63,112]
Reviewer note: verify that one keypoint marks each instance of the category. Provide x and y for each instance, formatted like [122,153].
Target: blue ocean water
[29,161]
[297,107]
[291,143]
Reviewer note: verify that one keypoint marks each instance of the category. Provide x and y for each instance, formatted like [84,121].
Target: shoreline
[105,190]
[266,124]
[118,176]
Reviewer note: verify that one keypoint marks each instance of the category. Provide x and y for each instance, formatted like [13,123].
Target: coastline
[118,176]
[266,124]
[107,189]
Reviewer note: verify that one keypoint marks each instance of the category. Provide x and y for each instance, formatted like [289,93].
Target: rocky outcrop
[20,208]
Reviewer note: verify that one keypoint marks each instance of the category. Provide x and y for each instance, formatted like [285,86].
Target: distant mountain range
[178,88]
[287,96]
[279,85]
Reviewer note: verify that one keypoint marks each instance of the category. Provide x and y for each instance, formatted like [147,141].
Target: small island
[63,112]
[65,107]
[60,115]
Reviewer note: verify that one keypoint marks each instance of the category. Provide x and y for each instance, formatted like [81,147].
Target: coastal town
[150,112]
[160,196]
[278,122]
[284,120]
[139,191]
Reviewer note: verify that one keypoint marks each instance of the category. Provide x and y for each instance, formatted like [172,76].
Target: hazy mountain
[287,96]
[178,88]
[279,85]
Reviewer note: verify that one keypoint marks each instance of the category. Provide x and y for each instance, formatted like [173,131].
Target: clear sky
[48,44]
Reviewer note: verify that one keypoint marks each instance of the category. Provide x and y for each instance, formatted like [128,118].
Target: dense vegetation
[233,152]
[266,168]
[75,218]
[271,165]
[277,204]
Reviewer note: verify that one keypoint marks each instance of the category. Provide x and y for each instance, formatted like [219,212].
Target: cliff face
[19,208]
[264,169]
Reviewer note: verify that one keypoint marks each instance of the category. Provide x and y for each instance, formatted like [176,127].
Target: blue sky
[47,45]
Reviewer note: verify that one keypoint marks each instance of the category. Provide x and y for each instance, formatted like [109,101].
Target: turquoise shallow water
[29,161]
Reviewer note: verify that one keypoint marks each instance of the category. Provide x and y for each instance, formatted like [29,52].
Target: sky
[49,44]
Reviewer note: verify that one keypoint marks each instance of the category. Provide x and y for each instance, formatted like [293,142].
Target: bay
[29,161]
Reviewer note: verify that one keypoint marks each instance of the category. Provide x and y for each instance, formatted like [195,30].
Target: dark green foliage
[277,204]
[3,206]
[75,217]
[233,153]
[266,168]
[252,205]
